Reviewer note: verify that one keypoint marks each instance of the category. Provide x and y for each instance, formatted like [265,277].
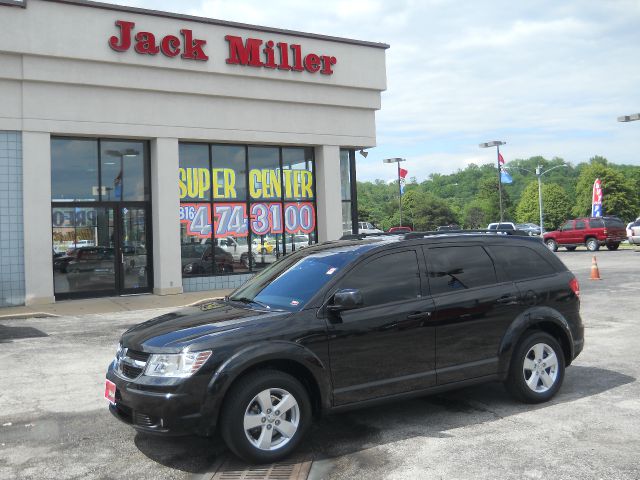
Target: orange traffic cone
[595,272]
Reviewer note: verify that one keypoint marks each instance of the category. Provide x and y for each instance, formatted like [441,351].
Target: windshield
[290,283]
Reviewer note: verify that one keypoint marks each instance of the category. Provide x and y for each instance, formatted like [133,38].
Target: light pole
[539,174]
[129,152]
[397,160]
[497,143]
[629,118]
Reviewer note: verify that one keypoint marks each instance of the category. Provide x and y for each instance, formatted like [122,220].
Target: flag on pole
[403,172]
[596,203]
[500,159]
[505,177]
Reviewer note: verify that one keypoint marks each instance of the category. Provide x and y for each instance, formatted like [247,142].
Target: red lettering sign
[170,45]
[249,53]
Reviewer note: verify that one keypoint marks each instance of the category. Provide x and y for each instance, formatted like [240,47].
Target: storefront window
[347,189]
[74,170]
[261,206]
[123,171]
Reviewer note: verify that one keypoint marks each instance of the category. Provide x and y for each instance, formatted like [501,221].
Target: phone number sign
[231,219]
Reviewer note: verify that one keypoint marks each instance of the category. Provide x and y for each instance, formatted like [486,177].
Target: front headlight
[180,365]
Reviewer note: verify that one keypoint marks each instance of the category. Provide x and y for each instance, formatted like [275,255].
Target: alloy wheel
[540,368]
[271,419]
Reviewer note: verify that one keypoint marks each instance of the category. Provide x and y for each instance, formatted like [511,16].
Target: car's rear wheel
[592,244]
[571,249]
[551,244]
[537,368]
[265,416]
[613,246]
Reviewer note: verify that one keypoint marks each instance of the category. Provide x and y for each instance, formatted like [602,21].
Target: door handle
[122,258]
[507,299]
[419,316]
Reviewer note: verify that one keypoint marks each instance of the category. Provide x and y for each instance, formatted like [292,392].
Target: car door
[472,311]
[565,233]
[387,346]
[579,231]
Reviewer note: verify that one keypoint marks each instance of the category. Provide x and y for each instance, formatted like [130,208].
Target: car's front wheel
[551,244]
[537,368]
[265,416]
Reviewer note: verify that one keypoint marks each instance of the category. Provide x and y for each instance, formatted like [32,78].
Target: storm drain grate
[296,468]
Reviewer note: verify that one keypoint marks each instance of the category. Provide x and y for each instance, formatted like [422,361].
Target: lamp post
[497,143]
[397,160]
[629,118]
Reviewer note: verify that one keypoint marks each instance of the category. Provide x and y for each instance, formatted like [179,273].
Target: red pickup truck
[592,232]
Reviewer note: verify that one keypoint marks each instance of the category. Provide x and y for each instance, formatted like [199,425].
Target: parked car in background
[592,232]
[633,232]
[61,260]
[91,266]
[502,226]
[399,230]
[368,227]
[529,228]
[206,265]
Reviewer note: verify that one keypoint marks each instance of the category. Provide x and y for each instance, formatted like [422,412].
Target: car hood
[201,325]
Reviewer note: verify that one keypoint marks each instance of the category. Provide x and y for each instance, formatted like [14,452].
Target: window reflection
[122,171]
[74,170]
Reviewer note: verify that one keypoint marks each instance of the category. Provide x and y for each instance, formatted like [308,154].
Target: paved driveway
[54,424]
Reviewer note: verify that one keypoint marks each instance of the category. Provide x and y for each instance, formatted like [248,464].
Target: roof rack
[412,235]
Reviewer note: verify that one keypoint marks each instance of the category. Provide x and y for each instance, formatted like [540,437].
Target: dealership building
[150,152]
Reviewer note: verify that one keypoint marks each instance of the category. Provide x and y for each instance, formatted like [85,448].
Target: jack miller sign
[252,52]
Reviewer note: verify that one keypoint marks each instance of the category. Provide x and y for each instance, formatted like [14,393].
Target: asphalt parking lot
[54,423]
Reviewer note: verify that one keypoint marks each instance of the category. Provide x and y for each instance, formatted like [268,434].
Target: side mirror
[346,299]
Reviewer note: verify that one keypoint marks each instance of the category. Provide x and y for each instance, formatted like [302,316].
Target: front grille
[130,371]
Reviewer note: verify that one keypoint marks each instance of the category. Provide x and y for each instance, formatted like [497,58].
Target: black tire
[239,400]
[613,246]
[592,244]
[517,379]
[551,244]
[571,249]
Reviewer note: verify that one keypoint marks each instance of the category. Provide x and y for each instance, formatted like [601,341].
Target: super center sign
[266,213]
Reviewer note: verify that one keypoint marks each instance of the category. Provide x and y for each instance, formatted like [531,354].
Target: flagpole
[400,193]
[500,183]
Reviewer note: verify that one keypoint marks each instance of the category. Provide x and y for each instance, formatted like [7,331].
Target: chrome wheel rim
[540,368]
[271,419]
[551,244]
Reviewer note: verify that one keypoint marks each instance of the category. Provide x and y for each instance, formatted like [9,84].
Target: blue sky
[549,78]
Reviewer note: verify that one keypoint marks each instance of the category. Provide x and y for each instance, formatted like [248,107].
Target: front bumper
[156,409]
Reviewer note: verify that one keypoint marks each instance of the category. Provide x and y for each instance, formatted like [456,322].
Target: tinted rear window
[455,268]
[614,222]
[519,262]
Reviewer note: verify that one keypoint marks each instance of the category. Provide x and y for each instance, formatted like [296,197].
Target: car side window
[459,268]
[520,262]
[385,279]
[580,225]
[596,223]
[567,226]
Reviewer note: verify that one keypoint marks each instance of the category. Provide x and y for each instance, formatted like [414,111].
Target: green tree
[557,205]
[619,197]
[475,215]
[431,211]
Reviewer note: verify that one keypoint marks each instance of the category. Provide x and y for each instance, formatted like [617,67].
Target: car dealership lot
[54,423]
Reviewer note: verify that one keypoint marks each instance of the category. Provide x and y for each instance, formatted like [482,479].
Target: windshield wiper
[248,300]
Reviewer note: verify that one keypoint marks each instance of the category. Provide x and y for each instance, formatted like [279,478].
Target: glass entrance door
[101,251]
[134,250]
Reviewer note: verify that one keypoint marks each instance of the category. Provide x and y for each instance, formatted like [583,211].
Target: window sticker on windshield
[331,271]
[295,303]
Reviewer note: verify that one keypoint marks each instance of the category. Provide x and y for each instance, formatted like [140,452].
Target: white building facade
[144,151]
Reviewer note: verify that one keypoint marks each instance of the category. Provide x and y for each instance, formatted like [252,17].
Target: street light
[397,160]
[629,118]
[497,143]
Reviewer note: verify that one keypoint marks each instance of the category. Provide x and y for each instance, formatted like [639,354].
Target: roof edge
[212,21]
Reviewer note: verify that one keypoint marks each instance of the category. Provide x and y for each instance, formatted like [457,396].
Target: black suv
[350,323]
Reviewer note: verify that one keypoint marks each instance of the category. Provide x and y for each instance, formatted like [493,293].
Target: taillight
[605,232]
[575,286]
